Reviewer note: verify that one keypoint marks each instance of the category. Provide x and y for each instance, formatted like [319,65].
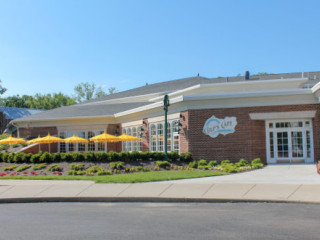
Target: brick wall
[112,129]
[34,132]
[248,140]
[3,122]
[145,135]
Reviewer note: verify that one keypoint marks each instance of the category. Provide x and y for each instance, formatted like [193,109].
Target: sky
[49,46]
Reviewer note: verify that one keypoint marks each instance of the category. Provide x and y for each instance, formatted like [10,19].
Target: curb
[143,200]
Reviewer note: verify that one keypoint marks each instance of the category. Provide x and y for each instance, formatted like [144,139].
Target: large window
[132,145]
[82,146]
[157,136]
[91,145]
[62,146]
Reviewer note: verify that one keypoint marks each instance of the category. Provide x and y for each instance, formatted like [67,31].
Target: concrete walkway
[270,174]
[293,183]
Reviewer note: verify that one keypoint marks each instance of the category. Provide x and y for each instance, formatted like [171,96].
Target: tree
[38,101]
[86,91]
[2,89]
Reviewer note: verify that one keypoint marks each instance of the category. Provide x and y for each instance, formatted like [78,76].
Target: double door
[289,142]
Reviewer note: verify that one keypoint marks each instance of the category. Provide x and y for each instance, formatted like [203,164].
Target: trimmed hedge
[92,157]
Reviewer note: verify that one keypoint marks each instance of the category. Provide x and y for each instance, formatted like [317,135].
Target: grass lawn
[129,177]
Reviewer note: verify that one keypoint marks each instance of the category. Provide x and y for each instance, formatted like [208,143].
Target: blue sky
[51,45]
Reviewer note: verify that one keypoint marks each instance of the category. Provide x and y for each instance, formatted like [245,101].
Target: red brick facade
[248,140]
[145,135]
[114,129]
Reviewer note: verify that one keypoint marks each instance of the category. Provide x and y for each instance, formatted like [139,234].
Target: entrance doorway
[289,141]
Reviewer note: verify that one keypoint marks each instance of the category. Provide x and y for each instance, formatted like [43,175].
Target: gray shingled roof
[14,113]
[103,109]
[83,111]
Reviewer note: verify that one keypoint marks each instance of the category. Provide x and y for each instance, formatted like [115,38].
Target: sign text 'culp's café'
[215,126]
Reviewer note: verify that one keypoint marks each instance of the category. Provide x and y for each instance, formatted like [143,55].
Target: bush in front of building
[256,163]
[163,164]
[92,157]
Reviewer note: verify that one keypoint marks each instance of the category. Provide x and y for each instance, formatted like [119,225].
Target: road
[148,221]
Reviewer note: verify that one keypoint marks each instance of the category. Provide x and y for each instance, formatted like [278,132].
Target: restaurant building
[274,117]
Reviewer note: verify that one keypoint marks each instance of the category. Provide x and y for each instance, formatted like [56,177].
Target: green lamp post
[166,105]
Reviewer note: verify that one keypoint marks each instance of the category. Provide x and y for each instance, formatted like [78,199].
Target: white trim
[245,82]
[283,115]
[148,107]
[247,94]
[302,129]
[131,124]
[174,116]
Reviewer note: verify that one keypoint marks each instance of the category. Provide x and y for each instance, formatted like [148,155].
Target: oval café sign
[215,126]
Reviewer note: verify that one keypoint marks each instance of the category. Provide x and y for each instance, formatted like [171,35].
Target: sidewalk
[37,190]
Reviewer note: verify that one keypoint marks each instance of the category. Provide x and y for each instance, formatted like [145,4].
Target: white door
[289,141]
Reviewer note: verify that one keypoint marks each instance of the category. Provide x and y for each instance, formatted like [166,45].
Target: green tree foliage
[86,91]
[2,89]
[39,101]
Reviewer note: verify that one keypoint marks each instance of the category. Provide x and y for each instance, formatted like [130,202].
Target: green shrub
[163,164]
[56,157]
[203,167]
[19,157]
[77,167]
[124,156]
[76,173]
[77,157]
[145,156]
[256,163]
[158,156]
[193,164]
[22,168]
[202,162]
[67,157]
[173,156]
[10,158]
[39,166]
[212,163]
[4,147]
[142,169]
[15,145]
[102,173]
[55,168]
[35,158]
[102,157]
[26,158]
[23,144]
[46,158]
[135,156]
[93,169]
[9,168]
[186,157]
[229,167]
[224,162]
[89,156]
[113,156]
[116,165]
[5,157]
[242,163]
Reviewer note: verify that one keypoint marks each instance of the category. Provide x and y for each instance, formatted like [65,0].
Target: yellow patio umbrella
[75,139]
[35,140]
[125,137]
[49,139]
[104,137]
[12,140]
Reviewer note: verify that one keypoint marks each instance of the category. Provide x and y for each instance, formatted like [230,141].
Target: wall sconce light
[144,122]
[116,132]
[141,129]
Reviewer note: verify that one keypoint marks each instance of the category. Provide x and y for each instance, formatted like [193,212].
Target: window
[153,137]
[62,145]
[72,146]
[271,145]
[139,142]
[124,143]
[134,143]
[157,136]
[169,137]
[91,145]
[160,137]
[129,143]
[101,146]
[82,146]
